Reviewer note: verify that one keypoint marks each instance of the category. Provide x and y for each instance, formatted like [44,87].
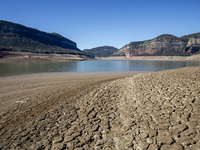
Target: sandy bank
[160,58]
[158,110]
[20,87]
[11,56]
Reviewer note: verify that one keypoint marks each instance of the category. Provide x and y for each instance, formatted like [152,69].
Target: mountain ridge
[17,37]
[163,45]
[101,51]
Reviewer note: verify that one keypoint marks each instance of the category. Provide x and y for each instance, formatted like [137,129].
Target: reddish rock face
[134,52]
[194,49]
[165,43]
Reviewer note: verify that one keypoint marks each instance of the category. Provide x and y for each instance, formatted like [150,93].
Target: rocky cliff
[16,37]
[165,44]
[102,51]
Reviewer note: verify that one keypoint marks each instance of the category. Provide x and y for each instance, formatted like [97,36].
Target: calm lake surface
[91,66]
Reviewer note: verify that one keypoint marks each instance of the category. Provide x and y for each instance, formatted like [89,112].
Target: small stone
[185,140]
[57,124]
[75,134]
[56,146]
[164,140]
[149,141]
[141,145]
[68,138]
[144,135]
[153,147]
[176,146]
[57,139]
[152,133]
[78,148]
[163,126]
[104,136]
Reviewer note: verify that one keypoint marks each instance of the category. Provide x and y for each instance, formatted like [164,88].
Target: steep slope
[193,43]
[16,37]
[165,44]
[102,51]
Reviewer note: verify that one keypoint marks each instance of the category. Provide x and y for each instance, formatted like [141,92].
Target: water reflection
[156,65]
[36,67]
[91,66]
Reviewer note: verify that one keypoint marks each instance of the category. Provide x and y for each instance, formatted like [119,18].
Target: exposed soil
[11,56]
[147,111]
[4,54]
[195,57]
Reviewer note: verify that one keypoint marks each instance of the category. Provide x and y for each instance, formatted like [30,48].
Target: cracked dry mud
[158,110]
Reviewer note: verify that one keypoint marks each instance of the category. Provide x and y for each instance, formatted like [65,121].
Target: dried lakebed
[158,110]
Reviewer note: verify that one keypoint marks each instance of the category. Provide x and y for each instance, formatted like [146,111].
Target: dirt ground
[158,110]
[195,57]
[12,56]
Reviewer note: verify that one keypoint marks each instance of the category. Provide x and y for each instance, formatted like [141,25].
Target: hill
[163,45]
[16,37]
[102,51]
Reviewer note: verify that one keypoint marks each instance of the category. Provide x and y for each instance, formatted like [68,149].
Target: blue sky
[93,23]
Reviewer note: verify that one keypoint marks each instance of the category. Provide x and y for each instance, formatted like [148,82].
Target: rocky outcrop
[193,45]
[165,44]
[16,37]
[193,41]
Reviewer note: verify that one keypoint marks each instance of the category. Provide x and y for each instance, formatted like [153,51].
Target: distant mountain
[163,45]
[16,37]
[102,51]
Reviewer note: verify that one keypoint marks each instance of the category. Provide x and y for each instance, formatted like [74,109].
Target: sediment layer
[157,110]
[159,58]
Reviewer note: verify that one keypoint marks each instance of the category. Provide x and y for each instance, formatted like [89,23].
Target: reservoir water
[91,66]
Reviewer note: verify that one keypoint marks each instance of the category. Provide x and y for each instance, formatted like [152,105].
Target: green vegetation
[136,45]
[16,37]
[186,37]
[103,51]
[118,54]
[166,37]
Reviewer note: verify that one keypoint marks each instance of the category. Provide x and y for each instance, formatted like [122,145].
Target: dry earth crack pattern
[158,110]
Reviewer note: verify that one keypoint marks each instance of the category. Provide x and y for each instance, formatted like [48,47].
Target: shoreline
[154,58]
[39,57]
[34,57]
[62,74]
[14,84]
[75,74]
